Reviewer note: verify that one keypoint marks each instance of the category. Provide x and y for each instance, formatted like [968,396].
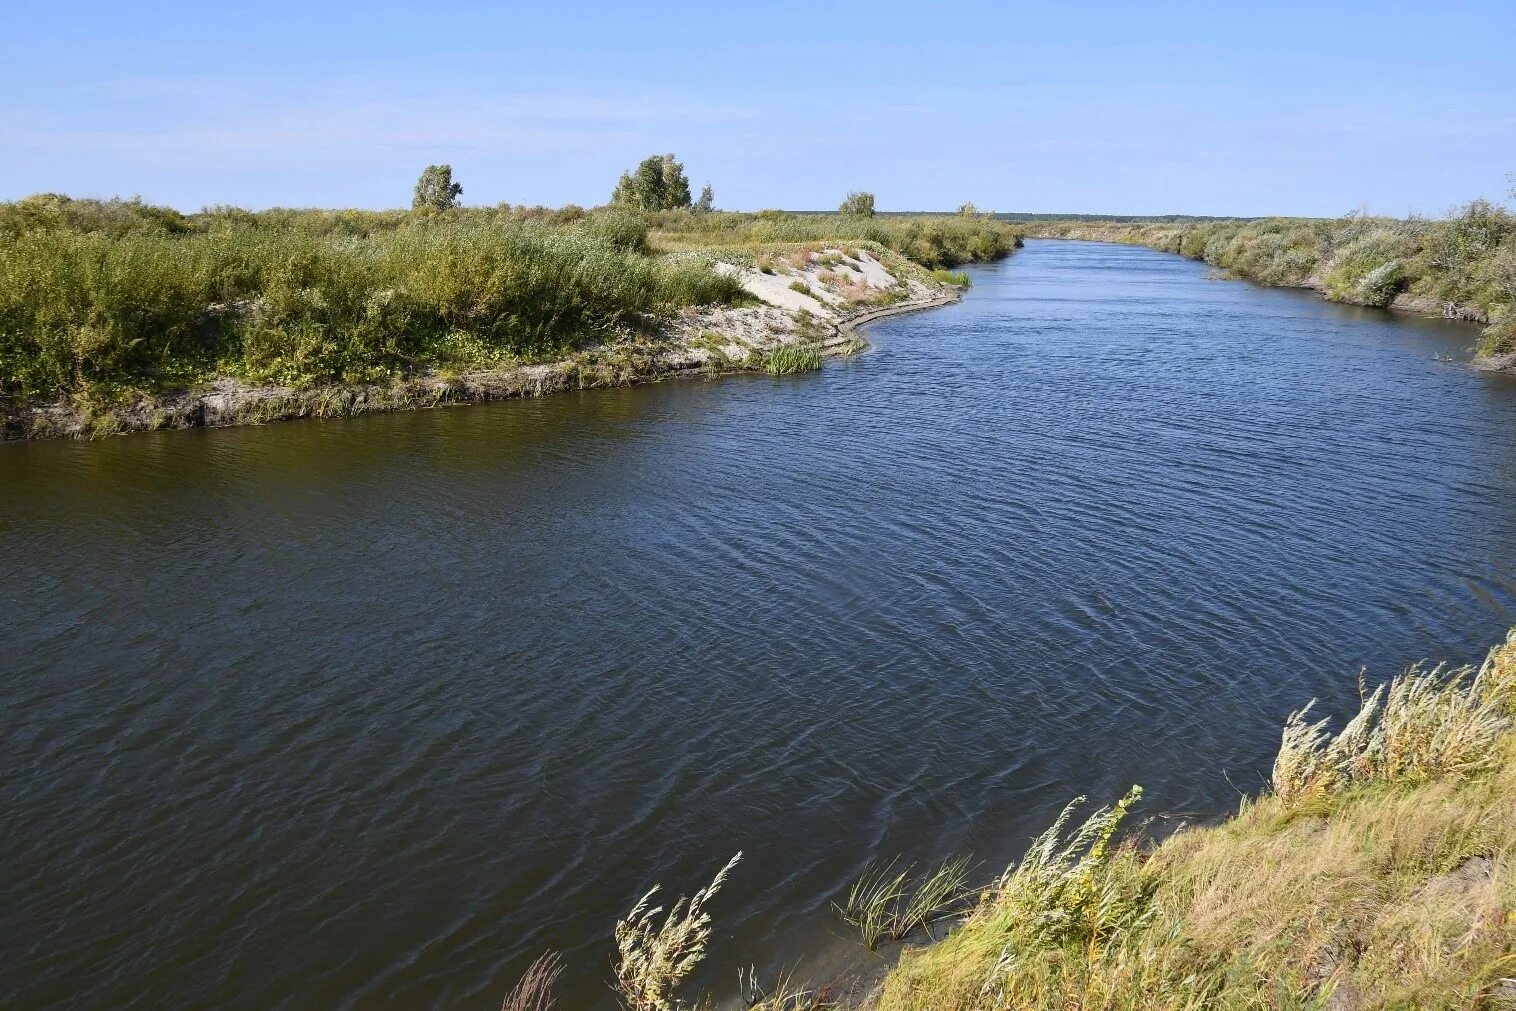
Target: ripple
[337,714]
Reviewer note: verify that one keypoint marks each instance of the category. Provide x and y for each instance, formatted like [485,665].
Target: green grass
[957,278]
[787,359]
[101,299]
[929,240]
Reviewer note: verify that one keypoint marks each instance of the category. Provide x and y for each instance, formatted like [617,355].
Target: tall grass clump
[787,359]
[872,903]
[534,992]
[887,902]
[1423,725]
[653,957]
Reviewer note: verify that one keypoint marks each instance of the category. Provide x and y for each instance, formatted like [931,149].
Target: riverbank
[703,344]
[116,316]
[803,304]
[1461,268]
[1378,872]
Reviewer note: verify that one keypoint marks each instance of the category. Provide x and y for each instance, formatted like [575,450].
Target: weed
[534,992]
[652,958]
[787,359]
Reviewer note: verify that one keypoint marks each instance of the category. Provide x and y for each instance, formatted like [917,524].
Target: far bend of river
[369,713]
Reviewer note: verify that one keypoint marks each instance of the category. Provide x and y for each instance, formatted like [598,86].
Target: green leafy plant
[435,190]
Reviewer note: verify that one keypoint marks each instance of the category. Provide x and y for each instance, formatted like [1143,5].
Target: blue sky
[1122,108]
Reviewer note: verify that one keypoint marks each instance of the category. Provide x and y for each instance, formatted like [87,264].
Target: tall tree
[658,183]
[707,200]
[436,189]
[676,185]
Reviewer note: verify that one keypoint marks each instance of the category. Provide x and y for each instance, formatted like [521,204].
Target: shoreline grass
[104,303]
[1378,873]
[1461,267]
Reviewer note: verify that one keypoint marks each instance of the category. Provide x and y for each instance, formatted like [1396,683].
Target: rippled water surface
[369,713]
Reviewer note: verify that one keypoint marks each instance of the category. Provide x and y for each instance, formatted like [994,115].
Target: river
[369,713]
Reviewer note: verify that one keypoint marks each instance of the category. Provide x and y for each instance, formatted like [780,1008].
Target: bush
[858,204]
[621,229]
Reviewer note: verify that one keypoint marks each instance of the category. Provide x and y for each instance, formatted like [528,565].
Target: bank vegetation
[104,302]
[1462,266]
[1378,873]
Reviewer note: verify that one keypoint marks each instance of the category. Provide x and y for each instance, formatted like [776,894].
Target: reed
[534,992]
[872,903]
[934,895]
[652,957]
[787,359]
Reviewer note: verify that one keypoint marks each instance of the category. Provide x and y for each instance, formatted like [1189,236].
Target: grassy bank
[935,241]
[1462,266]
[1378,873]
[104,301]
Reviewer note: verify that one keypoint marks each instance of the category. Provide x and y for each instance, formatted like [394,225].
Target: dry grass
[535,990]
[1422,725]
[784,994]
[652,959]
[1382,875]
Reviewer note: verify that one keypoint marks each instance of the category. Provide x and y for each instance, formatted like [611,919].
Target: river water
[369,713]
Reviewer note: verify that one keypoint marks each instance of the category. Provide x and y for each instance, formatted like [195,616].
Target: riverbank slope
[1380,872]
[1460,268]
[809,305]
[117,316]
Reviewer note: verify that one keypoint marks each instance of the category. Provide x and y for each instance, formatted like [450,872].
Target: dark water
[369,713]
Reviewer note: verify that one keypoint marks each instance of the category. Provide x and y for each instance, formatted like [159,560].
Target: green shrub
[621,229]
[858,204]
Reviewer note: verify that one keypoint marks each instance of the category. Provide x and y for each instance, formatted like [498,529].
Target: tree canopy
[658,183]
[436,189]
[858,204]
